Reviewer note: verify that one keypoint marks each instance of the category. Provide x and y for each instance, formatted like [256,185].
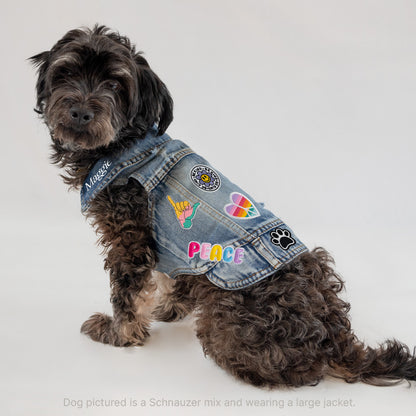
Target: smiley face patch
[205,178]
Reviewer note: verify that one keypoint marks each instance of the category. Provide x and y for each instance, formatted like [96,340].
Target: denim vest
[202,222]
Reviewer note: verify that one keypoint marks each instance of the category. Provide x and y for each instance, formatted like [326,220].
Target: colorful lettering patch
[282,238]
[215,252]
[185,212]
[205,178]
[241,207]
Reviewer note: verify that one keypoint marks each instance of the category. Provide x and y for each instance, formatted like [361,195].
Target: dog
[288,327]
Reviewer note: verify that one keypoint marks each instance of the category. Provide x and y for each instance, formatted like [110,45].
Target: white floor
[54,281]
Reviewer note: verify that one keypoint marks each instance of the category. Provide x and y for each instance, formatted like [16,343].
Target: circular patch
[205,178]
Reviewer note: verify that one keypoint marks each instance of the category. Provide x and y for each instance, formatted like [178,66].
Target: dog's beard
[99,132]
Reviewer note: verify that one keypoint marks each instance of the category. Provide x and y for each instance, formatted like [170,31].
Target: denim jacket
[202,222]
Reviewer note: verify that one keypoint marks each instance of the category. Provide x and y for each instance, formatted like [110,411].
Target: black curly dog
[98,95]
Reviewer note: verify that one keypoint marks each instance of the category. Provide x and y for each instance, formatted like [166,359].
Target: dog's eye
[113,85]
[66,72]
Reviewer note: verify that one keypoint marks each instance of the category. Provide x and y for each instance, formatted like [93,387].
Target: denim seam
[267,254]
[238,284]
[170,164]
[123,166]
[254,277]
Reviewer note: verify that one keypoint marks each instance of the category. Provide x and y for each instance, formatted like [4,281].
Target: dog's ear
[152,102]
[41,61]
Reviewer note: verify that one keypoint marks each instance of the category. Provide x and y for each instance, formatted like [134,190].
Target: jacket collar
[108,169]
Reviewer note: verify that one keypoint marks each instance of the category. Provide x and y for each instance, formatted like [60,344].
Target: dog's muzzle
[80,116]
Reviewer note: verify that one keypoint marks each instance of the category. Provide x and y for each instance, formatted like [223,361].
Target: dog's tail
[389,364]
[351,360]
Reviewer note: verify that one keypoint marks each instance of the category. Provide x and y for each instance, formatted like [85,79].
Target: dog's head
[93,84]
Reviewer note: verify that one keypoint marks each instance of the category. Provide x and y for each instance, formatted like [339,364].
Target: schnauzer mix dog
[267,309]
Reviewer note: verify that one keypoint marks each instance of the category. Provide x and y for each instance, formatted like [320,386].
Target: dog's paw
[282,238]
[170,313]
[97,327]
[102,328]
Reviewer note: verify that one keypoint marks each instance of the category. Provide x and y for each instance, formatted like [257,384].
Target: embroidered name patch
[184,211]
[205,178]
[216,252]
[241,207]
[99,175]
[282,238]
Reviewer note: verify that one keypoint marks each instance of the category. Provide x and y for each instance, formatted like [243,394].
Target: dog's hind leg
[120,216]
[250,335]
[174,300]
[275,332]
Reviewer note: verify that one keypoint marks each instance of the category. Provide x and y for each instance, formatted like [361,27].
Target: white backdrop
[310,106]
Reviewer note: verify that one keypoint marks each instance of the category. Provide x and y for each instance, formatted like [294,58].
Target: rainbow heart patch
[241,207]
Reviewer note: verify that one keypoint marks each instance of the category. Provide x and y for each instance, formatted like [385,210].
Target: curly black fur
[102,72]
[290,329]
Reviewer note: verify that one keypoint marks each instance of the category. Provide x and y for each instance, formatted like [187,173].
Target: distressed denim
[201,221]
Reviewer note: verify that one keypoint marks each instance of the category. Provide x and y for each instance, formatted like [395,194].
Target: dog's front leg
[132,307]
[120,216]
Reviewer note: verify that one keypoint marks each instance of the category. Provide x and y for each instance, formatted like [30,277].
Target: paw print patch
[282,238]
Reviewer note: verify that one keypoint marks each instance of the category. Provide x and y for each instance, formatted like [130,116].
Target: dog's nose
[81,115]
